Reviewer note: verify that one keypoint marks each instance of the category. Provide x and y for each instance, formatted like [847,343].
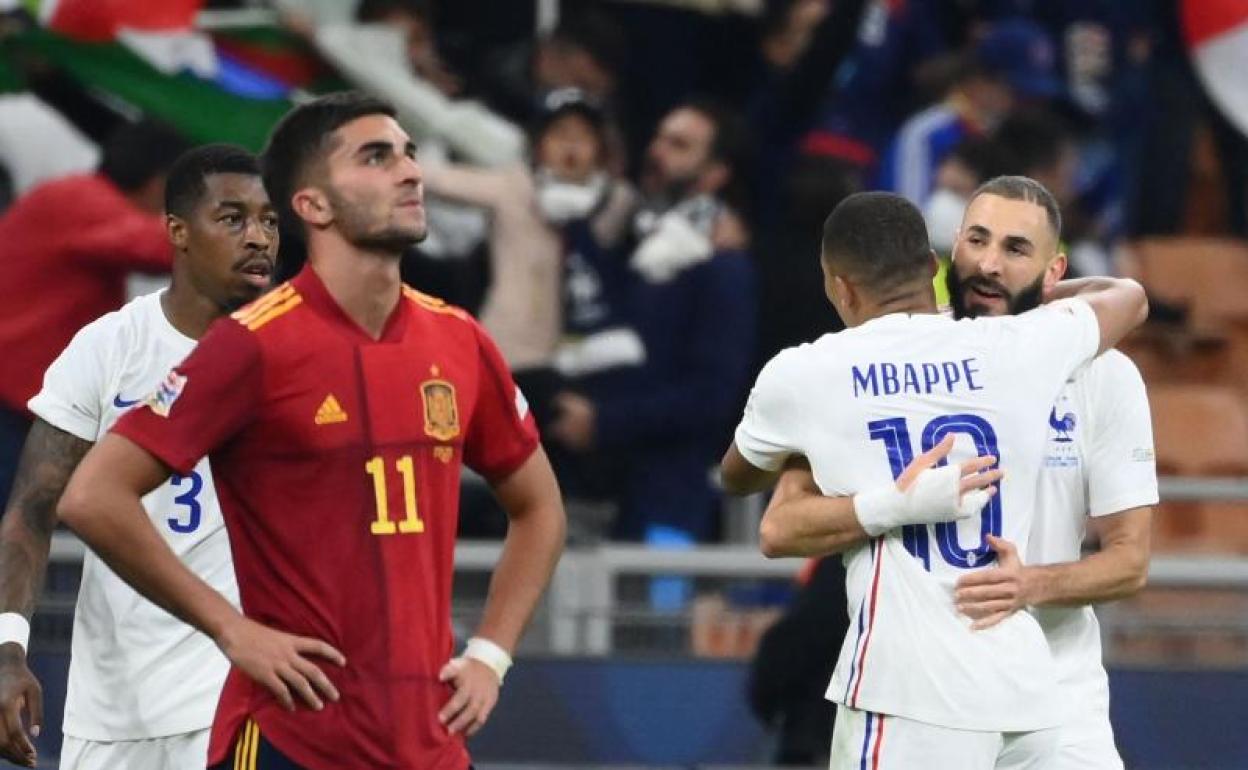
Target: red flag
[99,20]
[1217,39]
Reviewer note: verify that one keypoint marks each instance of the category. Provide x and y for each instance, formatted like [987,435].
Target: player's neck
[188,311]
[915,301]
[365,285]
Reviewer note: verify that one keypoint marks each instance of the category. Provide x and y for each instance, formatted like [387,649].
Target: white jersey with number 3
[859,405]
[136,671]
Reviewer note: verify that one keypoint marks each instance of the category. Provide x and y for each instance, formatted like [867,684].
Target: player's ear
[1054,272]
[312,206]
[934,267]
[175,227]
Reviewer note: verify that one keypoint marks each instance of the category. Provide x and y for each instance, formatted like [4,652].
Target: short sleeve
[1061,336]
[502,434]
[203,401]
[769,429]
[75,385]
[1121,466]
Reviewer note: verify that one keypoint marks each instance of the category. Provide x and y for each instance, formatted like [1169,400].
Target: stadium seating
[1200,430]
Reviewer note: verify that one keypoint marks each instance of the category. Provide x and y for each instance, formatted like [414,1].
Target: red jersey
[337,462]
[67,247]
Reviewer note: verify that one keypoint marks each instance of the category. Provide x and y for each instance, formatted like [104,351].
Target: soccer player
[337,412]
[918,686]
[1098,472]
[142,685]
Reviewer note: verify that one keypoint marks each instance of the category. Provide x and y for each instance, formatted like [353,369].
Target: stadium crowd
[629,199]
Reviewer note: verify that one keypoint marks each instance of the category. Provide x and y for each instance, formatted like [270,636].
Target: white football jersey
[136,671]
[859,405]
[1099,461]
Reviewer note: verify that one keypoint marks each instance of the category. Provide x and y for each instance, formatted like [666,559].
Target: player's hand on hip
[19,692]
[281,662]
[476,691]
[991,595]
[926,494]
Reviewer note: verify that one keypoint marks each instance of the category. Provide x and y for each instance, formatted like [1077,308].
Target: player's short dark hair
[1024,188]
[300,140]
[187,179]
[879,240]
[137,152]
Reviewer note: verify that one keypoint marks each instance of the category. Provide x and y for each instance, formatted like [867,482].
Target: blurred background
[629,193]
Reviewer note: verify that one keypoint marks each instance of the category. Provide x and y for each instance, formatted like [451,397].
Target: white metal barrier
[578,607]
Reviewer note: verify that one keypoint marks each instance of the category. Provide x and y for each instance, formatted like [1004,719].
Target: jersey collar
[316,296]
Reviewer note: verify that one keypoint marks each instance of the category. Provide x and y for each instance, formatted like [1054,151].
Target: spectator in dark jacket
[685,286]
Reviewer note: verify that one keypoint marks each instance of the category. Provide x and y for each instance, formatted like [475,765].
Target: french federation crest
[441,411]
[1062,427]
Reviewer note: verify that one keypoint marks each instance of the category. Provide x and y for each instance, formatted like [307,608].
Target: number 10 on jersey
[411,522]
[895,433]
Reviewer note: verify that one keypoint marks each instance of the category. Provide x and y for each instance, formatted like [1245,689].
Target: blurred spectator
[800,45]
[414,18]
[1013,61]
[528,207]
[67,247]
[968,165]
[38,144]
[792,668]
[873,87]
[688,292]
[394,56]
[586,51]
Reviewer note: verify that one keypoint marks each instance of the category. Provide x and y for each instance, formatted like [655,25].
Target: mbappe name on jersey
[910,378]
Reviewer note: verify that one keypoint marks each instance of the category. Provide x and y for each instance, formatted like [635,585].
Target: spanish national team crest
[441,412]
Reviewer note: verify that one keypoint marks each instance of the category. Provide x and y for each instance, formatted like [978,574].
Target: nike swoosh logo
[121,403]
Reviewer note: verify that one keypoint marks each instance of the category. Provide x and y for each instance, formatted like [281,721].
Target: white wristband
[934,497]
[489,653]
[14,628]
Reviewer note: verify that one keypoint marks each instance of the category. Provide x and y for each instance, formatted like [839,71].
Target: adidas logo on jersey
[330,412]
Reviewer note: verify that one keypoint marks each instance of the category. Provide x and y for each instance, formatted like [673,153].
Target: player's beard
[1015,302]
[361,229]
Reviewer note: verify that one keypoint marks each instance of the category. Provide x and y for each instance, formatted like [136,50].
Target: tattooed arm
[48,460]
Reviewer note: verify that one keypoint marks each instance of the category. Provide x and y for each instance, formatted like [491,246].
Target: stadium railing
[601,600]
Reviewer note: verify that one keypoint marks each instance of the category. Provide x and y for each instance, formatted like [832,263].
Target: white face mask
[562,202]
[943,214]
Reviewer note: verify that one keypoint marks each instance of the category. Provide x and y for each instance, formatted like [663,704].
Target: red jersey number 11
[411,522]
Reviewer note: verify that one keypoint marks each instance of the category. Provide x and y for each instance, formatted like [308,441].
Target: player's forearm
[48,458]
[536,529]
[810,525]
[115,525]
[1115,572]
[530,552]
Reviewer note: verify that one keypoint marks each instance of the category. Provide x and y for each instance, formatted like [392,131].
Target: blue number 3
[187,498]
[896,437]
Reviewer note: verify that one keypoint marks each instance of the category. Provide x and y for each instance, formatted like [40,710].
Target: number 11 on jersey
[411,523]
[895,433]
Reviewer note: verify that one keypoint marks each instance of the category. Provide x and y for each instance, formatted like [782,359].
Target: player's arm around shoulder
[1119,304]
[801,521]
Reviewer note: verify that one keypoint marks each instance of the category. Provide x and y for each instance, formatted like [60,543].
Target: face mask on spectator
[943,214]
[561,201]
